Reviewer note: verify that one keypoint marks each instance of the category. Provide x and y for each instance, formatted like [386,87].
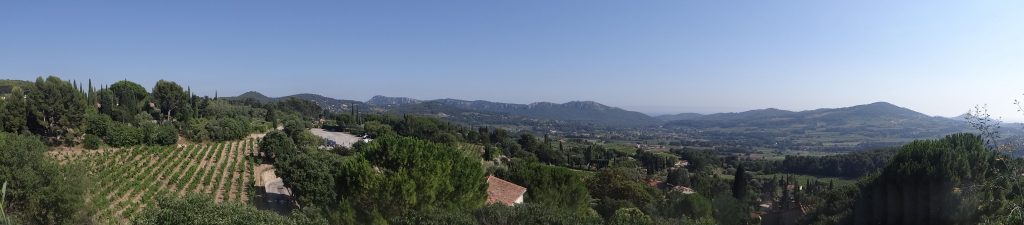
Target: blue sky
[936,57]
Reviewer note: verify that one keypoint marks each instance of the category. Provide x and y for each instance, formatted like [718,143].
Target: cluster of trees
[387,178]
[852,165]
[954,180]
[125,113]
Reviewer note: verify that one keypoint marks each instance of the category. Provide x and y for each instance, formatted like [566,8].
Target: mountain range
[880,118]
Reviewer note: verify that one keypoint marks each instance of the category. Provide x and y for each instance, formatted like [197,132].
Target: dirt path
[339,138]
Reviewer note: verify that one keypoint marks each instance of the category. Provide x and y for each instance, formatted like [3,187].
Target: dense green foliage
[171,100]
[198,209]
[124,134]
[55,110]
[92,142]
[413,174]
[529,213]
[630,216]
[551,185]
[387,178]
[947,181]
[851,165]
[13,111]
[739,183]
[39,191]
[64,113]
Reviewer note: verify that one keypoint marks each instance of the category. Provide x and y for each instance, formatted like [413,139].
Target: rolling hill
[483,112]
[583,112]
[330,104]
[855,127]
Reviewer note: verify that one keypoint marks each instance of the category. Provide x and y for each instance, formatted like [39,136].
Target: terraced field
[129,179]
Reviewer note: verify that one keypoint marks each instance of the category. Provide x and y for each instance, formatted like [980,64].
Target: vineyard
[130,179]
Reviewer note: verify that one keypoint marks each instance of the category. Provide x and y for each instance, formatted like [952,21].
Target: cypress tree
[739,184]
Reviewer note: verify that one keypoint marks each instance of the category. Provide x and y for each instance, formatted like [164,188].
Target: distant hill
[7,85]
[879,123]
[874,113]
[385,101]
[585,112]
[680,116]
[259,97]
[330,104]
[482,112]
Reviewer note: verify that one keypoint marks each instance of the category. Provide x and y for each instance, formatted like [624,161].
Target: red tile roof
[504,192]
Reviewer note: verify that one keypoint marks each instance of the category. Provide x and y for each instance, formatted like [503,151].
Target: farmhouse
[504,192]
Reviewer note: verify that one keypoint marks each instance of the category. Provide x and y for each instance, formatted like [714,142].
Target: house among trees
[504,192]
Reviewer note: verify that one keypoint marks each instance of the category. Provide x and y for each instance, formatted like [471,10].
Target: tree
[170,98]
[124,134]
[630,216]
[277,144]
[529,214]
[678,205]
[616,185]
[739,183]
[393,175]
[12,112]
[39,191]
[655,162]
[164,134]
[56,110]
[954,180]
[128,97]
[551,185]
[92,142]
[106,100]
[311,177]
[679,177]
[97,124]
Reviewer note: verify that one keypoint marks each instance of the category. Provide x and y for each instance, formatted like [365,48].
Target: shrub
[92,142]
[124,134]
[225,129]
[164,135]
[195,130]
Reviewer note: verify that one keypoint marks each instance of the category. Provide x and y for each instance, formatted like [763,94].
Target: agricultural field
[129,179]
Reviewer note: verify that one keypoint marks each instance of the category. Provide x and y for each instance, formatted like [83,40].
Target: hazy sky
[936,57]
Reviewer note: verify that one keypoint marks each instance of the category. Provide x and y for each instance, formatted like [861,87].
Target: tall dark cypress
[739,184]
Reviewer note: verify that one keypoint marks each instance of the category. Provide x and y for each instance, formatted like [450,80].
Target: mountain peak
[252,94]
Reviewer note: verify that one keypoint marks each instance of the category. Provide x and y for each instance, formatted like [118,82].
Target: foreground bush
[198,209]
[39,191]
[92,142]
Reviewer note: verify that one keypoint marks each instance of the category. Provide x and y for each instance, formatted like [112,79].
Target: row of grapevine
[129,179]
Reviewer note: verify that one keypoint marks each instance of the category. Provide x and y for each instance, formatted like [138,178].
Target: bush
[164,135]
[39,190]
[97,124]
[124,134]
[195,130]
[226,129]
[528,213]
[197,209]
[92,142]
